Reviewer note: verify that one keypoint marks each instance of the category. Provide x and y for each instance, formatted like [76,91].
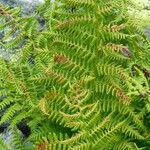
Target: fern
[76,83]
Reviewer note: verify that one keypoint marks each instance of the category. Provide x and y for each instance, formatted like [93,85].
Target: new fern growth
[81,90]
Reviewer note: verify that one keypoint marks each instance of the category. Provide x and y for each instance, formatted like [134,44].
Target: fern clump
[82,82]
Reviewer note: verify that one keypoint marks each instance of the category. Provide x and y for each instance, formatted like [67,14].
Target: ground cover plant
[81,81]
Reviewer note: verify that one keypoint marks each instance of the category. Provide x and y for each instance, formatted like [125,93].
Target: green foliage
[82,82]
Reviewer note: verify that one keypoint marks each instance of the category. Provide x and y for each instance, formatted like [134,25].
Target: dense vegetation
[81,81]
